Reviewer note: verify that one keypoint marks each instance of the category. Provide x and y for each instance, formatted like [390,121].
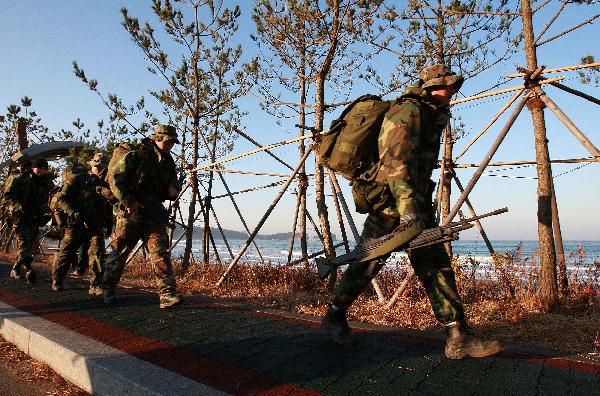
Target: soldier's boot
[169,300]
[336,324]
[95,290]
[109,296]
[15,272]
[57,285]
[462,343]
[31,276]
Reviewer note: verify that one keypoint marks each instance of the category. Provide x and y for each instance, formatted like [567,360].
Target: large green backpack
[117,155]
[350,146]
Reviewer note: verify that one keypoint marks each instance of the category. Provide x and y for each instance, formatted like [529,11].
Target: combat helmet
[440,76]
[99,159]
[164,132]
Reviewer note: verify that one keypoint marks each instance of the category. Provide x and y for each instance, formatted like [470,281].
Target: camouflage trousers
[128,232]
[25,235]
[432,266]
[75,237]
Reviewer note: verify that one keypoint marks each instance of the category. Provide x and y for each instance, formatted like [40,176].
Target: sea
[582,258]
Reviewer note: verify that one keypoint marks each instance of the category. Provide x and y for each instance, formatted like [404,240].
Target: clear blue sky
[40,39]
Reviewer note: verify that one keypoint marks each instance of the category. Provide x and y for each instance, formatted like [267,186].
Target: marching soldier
[141,177]
[88,215]
[26,201]
[408,145]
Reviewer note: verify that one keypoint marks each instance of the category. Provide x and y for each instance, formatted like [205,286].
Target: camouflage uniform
[26,198]
[144,175]
[408,146]
[89,215]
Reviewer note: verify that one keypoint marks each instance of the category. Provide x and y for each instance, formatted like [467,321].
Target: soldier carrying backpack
[389,150]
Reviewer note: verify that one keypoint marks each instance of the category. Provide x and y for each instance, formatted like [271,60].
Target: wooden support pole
[576,93]
[489,124]
[355,234]
[487,159]
[313,255]
[569,124]
[410,273]
[293,236]
[214,214]
[473,214]
[530,162]
[563,280]
[264,218]
[338,212]
[241,217]
[21,131]
[558,70]
[502,91]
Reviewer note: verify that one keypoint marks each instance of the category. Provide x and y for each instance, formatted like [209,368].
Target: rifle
[159,214]
[404,239]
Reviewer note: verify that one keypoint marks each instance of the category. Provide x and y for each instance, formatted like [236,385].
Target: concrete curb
[89,364]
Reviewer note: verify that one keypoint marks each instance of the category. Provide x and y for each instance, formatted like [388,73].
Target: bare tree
[317,42]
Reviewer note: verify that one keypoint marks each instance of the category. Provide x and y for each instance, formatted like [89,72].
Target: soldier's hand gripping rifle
[159,214]
[407,238]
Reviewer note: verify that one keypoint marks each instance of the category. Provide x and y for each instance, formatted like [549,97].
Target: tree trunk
[189,235]
[302,189]
[548,294]
[563,279]
[320,175]
[446,180]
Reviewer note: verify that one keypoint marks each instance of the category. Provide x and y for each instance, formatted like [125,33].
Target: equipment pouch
[371,197]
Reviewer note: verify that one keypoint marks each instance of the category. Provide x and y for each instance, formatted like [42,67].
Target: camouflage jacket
[27,194]
[143,174]
[409,145]
[81,192]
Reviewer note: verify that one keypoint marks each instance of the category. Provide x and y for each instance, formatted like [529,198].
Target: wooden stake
[558,70]
[487,159]
[264,218]
[569,124]
[489,124]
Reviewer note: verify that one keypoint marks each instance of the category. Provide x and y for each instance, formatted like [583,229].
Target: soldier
[88,217]
[408,147]
[26,200]
[142,178]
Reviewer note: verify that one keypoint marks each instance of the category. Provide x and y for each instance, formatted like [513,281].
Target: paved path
[240,350]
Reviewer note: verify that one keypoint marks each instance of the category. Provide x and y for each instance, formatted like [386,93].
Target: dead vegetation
[36,373]
[501,300]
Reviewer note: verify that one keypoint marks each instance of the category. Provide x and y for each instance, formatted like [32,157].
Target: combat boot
[170,300]
[109,296]
[15,272]
[31,276]
[95,291]
[461,342]
[336,324]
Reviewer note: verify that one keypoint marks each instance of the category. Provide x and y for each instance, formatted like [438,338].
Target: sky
[41,39]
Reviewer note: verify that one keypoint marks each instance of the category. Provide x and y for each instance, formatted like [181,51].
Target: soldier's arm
[398,142]
[66,196]
[122,180]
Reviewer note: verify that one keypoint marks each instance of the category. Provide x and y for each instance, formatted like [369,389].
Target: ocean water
[582,257]
[276,251]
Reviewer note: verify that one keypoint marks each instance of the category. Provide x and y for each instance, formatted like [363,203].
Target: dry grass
[37,373]
[501,303]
